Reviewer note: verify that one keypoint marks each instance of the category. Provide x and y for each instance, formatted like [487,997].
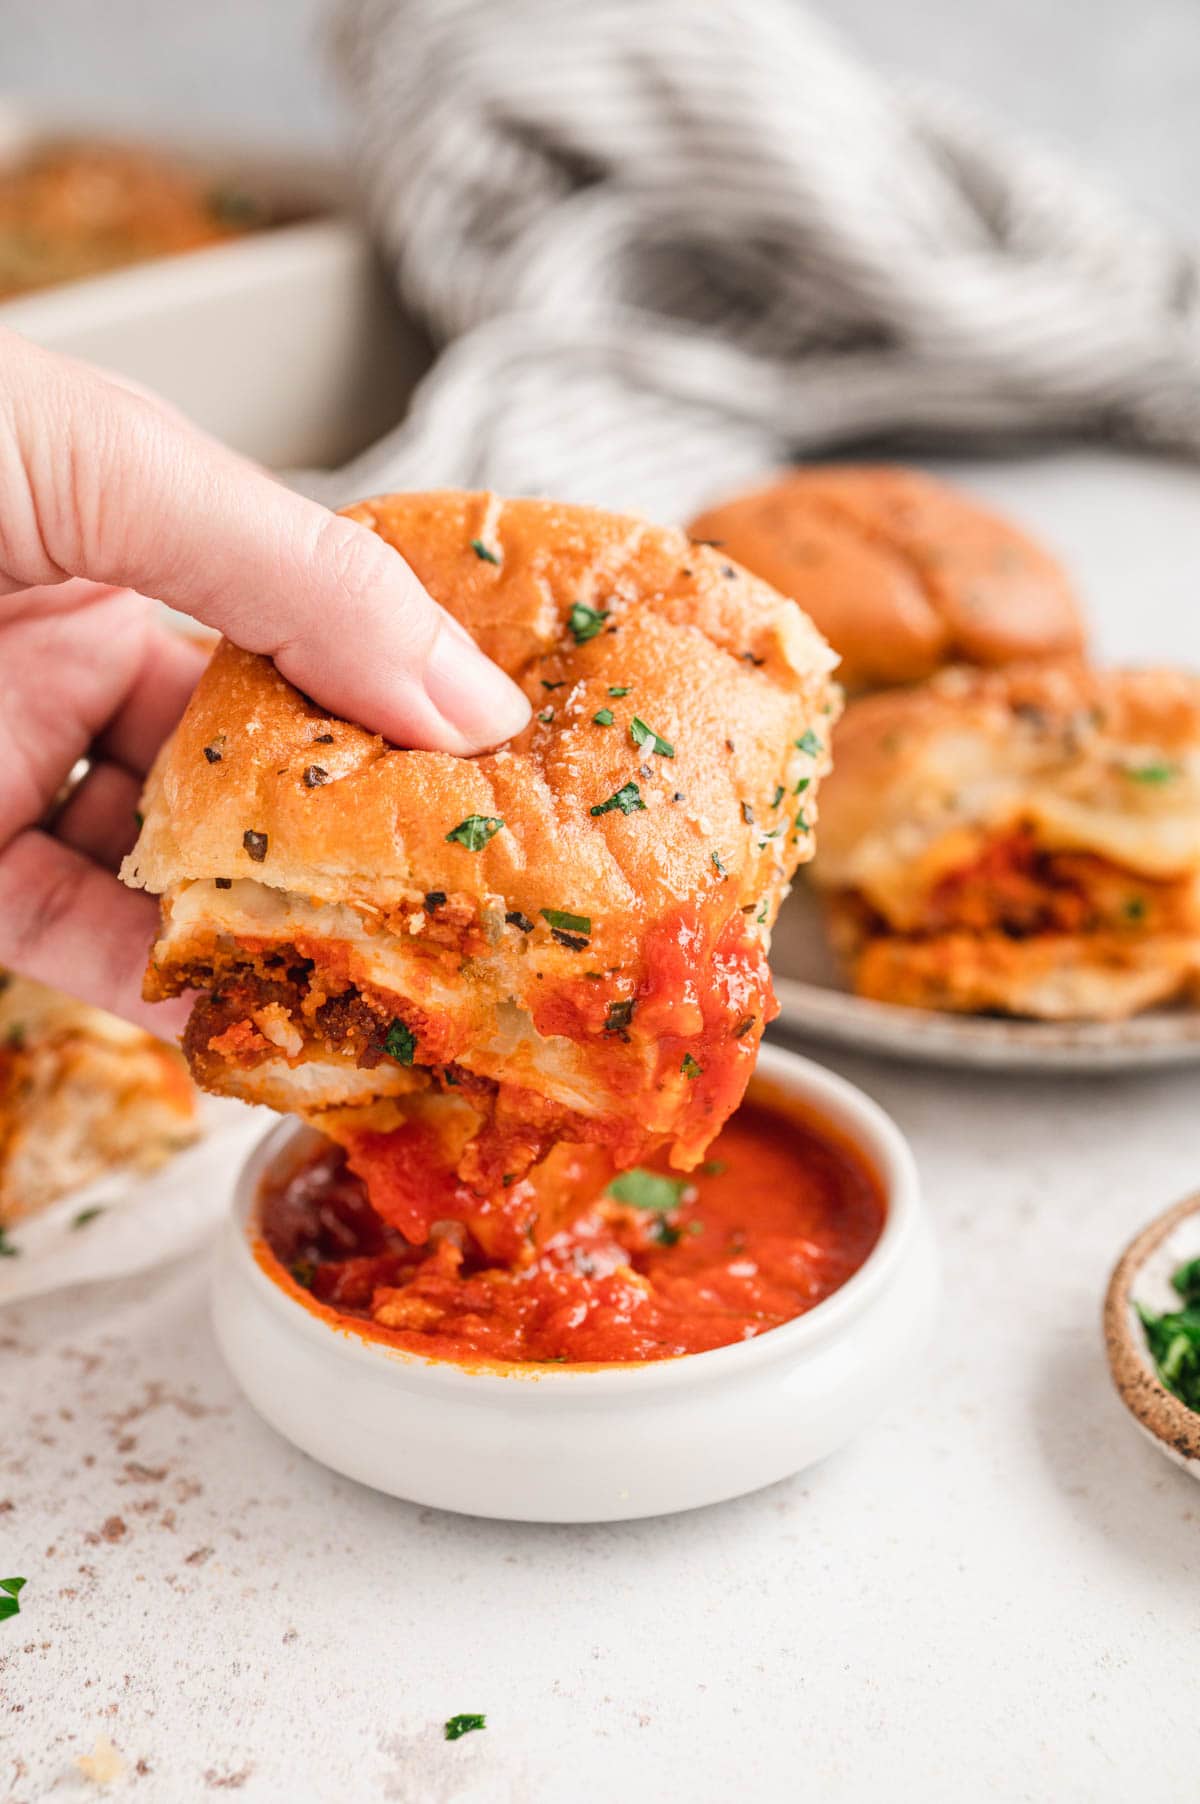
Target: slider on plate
[1023,841]
[568,934]
[81,1094]
[901,572]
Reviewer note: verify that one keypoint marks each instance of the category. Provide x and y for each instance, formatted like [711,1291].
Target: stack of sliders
[1009,830]
[453,966]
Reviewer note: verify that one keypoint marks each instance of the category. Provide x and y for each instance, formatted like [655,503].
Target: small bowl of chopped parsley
[1152,1332]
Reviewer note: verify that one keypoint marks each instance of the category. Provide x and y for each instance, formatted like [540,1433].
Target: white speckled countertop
[990,1595]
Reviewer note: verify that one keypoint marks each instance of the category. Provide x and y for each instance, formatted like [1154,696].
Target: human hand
[106,497]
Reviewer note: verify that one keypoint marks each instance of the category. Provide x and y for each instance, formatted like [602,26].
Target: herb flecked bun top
[901,572]
[588,883]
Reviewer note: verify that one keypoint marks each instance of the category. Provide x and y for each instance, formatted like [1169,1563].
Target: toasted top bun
[1094,761]
[554,918]
[901,572]
[81,1093]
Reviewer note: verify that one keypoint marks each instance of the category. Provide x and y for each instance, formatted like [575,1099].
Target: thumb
[97,481]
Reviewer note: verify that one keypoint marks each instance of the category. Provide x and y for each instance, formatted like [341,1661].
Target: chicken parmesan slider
[901,572]
[569,933]
[1025,842]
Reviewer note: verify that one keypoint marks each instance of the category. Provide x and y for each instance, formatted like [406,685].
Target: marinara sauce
[651,1265]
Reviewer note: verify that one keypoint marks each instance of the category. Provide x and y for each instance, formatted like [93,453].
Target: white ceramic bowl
[599,1443]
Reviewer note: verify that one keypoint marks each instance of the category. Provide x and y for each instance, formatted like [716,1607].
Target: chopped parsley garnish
[1174,1338]
[139,819]
[303,1271]
[1155,772]
[564,922]
[559,685]
[801,786]
[434,898]
[546,716]
[515,918]
[618,1017]
[585,622]
[643,735]
[618,689]
[14,1039]
[719,867]
[665,1233]
[628,799]
[743,1027]
[9,1603]
[642,1189]
[86,1215]
[778,796]
[212,754]
[603,717]
[400,1043]
[484,552]
[808,742]
[761,917]
[475,831]
[801,823]
[690,1067]
[747,814]
[254,845]
[463,1725]
[1134,909]
[7,1249]
[712,1168]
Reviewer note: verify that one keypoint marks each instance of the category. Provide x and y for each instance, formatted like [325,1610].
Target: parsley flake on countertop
[643,735]
[463,1724]
[643,1189]
[1174,1338]
[603,717]
[475,831]
[483,552]
[564,922]
[400,1043]
[628,799]
[10,1602]
[585,622]
[808,742]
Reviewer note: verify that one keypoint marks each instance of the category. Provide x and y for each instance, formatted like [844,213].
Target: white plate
[814,1003]
[593,1443]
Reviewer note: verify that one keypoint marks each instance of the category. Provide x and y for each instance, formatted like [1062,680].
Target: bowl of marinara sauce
[676,1340]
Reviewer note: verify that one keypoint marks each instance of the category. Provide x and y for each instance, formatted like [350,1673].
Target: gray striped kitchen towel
[662,245]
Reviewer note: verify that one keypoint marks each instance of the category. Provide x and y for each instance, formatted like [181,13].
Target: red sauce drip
[778,1219]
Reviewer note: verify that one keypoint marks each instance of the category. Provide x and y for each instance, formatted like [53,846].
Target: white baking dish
[286,343]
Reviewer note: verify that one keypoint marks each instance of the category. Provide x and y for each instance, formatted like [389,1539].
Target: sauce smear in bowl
[650,1264]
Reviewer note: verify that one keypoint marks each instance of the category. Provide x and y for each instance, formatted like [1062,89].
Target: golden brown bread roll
[1025,841]
[571,930]
[901,572]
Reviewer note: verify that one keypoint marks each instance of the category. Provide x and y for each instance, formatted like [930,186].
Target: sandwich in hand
[568,934]
[1025,842]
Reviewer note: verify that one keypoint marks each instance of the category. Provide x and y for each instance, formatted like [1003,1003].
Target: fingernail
[472,693]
